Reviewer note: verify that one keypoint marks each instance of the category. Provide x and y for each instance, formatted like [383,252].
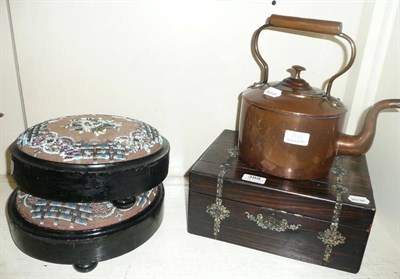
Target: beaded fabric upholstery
[90,139]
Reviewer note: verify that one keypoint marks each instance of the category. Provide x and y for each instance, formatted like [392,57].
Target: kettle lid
[297,86]
[294,95]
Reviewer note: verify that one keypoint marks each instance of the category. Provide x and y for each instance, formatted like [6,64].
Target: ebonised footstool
[89,188]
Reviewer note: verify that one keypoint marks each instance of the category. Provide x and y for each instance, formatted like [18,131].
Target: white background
[181,65]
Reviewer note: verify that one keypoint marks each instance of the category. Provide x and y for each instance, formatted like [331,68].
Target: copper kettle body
[292,130]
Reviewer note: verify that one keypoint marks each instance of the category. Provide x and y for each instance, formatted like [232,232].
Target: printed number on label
[296,138]
[358,199]
[254,178]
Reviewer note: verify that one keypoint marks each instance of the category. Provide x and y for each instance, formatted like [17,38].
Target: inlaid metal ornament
[217,210]
[219,213]
[271,223]
[77,216]
[233,152]
[331,236]
[90,139]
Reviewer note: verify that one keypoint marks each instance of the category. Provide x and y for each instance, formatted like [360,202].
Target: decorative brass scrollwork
[217,210]
[331,236]
[272,223]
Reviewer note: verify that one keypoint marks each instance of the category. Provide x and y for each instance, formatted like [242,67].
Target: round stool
[82,234]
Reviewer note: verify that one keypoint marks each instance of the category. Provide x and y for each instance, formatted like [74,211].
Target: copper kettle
[292,130]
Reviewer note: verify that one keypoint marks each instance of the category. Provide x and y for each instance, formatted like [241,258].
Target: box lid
[344,195]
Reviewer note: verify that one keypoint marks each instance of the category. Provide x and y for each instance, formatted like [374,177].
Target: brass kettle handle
[302,24]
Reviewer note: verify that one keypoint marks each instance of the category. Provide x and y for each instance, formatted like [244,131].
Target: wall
[384,156]
[12,123]
[181,65]
[178,65]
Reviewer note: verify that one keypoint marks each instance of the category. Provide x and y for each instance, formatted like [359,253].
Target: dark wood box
[325,221]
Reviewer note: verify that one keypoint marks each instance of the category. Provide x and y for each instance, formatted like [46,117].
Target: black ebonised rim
[82,248]
[88,183]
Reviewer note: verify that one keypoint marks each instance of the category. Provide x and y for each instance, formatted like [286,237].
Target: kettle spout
[361,143]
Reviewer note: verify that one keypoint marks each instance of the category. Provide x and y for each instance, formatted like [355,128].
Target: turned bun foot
[85,267]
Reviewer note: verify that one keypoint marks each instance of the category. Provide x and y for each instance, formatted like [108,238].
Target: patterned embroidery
[41,139]
[77,215]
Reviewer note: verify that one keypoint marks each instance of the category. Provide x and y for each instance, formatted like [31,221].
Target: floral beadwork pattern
[98,126]
[77,216]
[72,147]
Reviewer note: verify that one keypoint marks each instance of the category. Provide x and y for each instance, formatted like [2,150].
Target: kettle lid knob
[297,69]
[298,86]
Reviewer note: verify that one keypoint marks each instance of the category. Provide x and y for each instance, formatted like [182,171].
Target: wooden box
[325,221]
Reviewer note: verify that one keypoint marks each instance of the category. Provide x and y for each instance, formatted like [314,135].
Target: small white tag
[297,138]
[272,92]
[254,178]
[358,199]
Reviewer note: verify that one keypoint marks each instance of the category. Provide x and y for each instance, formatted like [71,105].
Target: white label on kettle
[254,178]
[272,92]
[297,138]
[358,199]
[12,166]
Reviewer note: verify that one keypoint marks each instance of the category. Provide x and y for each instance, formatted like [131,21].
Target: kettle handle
[333,28]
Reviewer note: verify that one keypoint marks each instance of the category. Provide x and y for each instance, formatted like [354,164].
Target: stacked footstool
[89,188]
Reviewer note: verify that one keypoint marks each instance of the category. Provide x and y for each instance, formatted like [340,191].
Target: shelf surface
[174,253]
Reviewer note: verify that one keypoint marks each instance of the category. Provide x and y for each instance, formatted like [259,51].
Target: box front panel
[277,232]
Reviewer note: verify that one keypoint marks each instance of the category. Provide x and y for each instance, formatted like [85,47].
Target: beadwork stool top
[90,139]
[67,216]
